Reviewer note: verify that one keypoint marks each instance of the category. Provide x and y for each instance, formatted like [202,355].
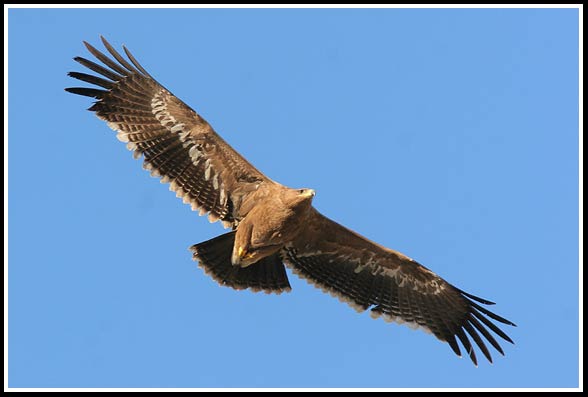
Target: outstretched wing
[177,144]
[369,276]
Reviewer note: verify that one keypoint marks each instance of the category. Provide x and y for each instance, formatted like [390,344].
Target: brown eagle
[272,224]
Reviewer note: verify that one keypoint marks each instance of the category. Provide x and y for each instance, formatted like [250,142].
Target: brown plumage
[271,224]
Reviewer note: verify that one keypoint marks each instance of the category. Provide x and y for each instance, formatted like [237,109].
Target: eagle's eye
[301,191]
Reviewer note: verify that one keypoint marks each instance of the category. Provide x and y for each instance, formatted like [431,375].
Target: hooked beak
[308,193]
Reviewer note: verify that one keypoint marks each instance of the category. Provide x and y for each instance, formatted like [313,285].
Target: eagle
[273,226]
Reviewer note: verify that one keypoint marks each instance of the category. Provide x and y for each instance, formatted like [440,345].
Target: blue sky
[449,135]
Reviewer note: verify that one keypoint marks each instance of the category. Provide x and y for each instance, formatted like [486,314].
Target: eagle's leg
[214,257]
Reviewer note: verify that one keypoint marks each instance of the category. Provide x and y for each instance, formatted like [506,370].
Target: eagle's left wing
[176,143]
[367,275]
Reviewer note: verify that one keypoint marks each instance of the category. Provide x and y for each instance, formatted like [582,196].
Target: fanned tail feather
[214,257]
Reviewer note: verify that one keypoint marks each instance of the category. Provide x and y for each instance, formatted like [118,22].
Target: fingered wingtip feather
[478,341]
[454,346]
[91,92]
[90,47]
[91,79]
[118,57]
[135,62]
[493,316]
[485,333]
[476,298]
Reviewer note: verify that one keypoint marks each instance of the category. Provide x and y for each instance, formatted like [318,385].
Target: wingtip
[105,42]
[88,46]
[476,298]
[71,90]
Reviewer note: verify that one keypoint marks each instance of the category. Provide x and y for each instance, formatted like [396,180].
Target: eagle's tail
[214,257]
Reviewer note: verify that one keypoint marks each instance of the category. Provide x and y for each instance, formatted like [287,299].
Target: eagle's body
[274,219]
[271,224]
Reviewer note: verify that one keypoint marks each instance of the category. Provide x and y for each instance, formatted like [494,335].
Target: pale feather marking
[208,169]
[159,109]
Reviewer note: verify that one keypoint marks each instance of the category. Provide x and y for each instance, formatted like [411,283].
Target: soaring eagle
[273,225]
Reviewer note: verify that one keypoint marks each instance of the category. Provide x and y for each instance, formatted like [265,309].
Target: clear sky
[449,135]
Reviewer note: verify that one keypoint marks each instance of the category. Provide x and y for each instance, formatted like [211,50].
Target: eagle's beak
[308,193]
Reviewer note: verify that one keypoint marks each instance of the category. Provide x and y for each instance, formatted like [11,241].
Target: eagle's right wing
[177,144]
[367,275]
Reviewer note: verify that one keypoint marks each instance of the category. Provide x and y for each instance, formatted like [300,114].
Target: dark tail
[214,257]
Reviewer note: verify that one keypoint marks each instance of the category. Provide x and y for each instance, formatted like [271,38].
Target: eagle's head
[298,198]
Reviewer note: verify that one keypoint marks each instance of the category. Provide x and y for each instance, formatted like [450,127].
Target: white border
[581,195]
[305,6]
